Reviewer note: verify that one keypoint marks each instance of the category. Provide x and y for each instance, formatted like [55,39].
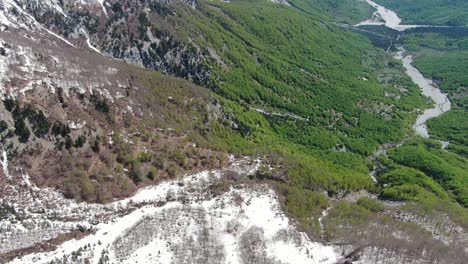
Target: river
[429,89]
[388,18]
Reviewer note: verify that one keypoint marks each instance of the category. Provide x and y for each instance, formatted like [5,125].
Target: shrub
[96,147]
[60,129]
[3,126]
[21,130]
[371,204]
[39,123]
[100,104]
[80,141]
[179,157]
[145,156]
[6,211]
[152,173]
[68,142]
[10,104]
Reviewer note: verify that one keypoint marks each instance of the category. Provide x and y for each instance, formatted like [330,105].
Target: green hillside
[281,60]
[431,12]
[342,11]
[339,96]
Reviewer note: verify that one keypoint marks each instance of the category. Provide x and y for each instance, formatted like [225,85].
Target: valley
[196,131]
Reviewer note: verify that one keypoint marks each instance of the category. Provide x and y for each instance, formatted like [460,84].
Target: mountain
[193,131]
[69,114]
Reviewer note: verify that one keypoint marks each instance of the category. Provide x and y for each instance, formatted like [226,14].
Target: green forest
[431,12]
[340,102]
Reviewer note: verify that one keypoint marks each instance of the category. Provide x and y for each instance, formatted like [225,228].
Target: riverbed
[428,89]
[442,104]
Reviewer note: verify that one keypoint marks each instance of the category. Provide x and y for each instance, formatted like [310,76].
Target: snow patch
[284,2]
[176,221]
[88,41]
[76,125]
[25,20]
[4,163]
[101,2]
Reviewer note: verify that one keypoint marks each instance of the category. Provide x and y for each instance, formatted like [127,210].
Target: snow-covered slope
[173,222]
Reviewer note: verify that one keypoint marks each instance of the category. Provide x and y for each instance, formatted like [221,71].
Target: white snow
[55,5]
[88,41]
[101,2]
[284,2]
[4,20]
[444,144]
[57,36]
[26,21]
[4,163]
[156,252]
[76,125]
[48,67]
[179,219]
[321,221]
[26,180]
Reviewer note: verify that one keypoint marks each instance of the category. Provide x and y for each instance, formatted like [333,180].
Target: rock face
[139,32]
[71,115]
[77,123]
[90,127]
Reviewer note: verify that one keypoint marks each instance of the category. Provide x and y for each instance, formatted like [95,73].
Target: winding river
[429,89]
[388,18]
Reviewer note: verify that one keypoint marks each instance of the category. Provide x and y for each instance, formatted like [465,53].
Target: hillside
[432,12]
[330,96]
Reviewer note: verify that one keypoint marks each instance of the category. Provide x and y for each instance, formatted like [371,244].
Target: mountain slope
[293,71]
[72,126]
[310,99]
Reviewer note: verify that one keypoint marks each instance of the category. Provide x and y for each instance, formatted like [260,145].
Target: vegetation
[449,69]
[371,204]
[343,11]
[305,205]
[405,183]
[21,130]
[360,225]
[432,12]
[452,126]
[423,172]
[293,70]
[445,169]
[328,86]
[443,57]
[6,211]
[336,103]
